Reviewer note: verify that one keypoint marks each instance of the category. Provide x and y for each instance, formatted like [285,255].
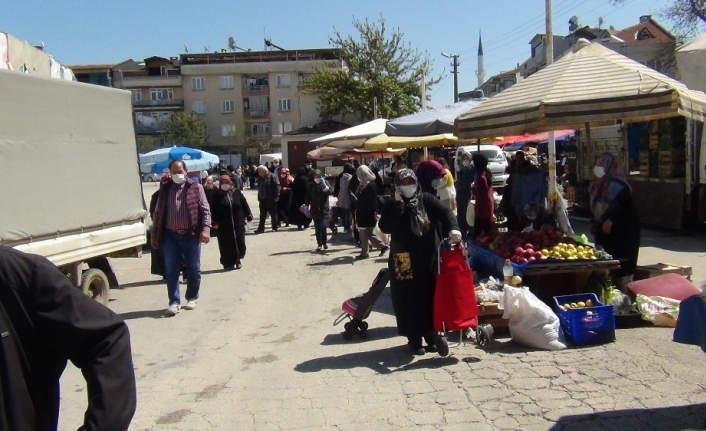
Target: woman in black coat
[229,211]
[299,190]
[417,222]
[366,208]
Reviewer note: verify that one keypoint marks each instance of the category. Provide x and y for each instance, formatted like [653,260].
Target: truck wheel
[94,283]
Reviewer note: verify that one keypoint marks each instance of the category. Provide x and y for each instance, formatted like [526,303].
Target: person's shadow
[385,361]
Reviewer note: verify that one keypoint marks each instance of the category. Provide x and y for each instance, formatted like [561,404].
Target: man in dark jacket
[45,321]
[268,190]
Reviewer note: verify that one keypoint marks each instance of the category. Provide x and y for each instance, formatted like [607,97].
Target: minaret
[481,70]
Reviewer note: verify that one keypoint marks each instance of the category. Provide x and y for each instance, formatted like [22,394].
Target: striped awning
[593,85]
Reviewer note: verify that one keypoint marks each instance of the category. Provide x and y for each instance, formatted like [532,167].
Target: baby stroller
[455,307]
[358,308]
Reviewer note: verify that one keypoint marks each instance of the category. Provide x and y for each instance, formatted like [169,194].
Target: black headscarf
[416,212]
[480,162]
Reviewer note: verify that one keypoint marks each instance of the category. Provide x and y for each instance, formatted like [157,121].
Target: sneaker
[325,246]
[362,256]
[258,231]
[383,250]
[172,310]
[319,248]
[190,305]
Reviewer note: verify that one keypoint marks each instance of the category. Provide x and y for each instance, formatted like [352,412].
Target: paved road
[260,353]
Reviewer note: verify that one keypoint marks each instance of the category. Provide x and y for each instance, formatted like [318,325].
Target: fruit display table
[546,278]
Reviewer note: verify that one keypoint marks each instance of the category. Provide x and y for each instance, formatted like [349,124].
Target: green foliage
[378,68]
[145,144]
[186,129]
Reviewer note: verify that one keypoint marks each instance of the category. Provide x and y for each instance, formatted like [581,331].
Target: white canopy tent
[353,137]
[691,60]
[265,158]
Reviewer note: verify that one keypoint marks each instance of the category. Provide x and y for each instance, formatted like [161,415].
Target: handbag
[471,213]
[455,306]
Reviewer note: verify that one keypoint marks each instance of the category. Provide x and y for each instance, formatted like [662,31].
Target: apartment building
[252,96]
[157,93]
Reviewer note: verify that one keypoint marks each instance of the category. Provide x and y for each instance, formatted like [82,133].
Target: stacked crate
[672,163]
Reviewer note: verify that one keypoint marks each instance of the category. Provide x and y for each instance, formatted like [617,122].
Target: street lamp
[455,65]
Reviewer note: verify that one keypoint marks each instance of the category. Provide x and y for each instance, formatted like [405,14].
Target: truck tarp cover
[68,159]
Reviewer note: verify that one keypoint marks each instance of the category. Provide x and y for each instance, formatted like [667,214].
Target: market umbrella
[326,153]
[432,121]
[591,85]
[353,137]
[691,61]
[191,166]
[383,141]
[177,153]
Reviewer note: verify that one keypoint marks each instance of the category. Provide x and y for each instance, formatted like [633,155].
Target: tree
[239,139]
[145,144]
[379,69]
[186,129]
[687,16]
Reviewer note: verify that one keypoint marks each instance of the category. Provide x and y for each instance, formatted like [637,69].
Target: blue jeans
[174,247]
[320,225]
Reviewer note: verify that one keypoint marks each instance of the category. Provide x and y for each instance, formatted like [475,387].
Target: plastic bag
[659,310]
[532,322]
[471,213]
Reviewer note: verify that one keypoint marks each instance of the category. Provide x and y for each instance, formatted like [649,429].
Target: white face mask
[179,178]
[317,180]
[407,191]
[599,171]
[466,163]
[225,187]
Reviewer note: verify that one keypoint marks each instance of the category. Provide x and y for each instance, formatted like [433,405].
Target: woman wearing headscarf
[428,171]
[464,184]
[317,197]
[366,207]
[343,193]
[616,224]
[229,211]
[285,196]
[483,195]
[299,190]
[418,222]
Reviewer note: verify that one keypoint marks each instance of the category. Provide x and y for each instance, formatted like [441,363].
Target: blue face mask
[435,183]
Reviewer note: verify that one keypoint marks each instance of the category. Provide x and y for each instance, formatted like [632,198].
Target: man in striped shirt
[182,221]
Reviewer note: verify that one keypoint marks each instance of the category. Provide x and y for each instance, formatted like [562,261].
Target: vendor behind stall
[615,224]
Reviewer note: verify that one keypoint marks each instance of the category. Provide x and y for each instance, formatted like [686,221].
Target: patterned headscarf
[416,212]
[604,190]
[225,179]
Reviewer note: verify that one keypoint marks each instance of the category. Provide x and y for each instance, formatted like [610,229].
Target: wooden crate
[571,194]
[488,312]
[648,271]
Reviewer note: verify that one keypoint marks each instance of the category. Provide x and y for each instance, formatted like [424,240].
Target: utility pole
[455,65]
[551,144]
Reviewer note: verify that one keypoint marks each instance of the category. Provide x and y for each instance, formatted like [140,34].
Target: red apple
[519,251]
[521,260]
[537,254]
[530,259]
[529,246]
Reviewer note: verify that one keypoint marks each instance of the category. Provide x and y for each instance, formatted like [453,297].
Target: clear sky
[98,31]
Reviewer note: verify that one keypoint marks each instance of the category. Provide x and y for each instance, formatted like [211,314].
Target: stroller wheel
[364,326]
[442,346]
[485,333]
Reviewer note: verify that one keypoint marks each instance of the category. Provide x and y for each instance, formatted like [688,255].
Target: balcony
[163,103]
[257,114]
[149,128]
[256,90]
[152,81]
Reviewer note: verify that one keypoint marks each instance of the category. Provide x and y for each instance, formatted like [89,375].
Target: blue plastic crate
[582,328]
[488,263]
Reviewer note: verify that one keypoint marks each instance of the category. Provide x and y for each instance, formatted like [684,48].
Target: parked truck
[71,188]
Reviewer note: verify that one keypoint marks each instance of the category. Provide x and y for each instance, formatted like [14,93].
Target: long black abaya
[229,212]
[299,188]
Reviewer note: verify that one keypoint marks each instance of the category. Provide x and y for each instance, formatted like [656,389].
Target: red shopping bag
[455,306]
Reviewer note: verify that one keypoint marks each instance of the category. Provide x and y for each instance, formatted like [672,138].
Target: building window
[198,83]
[199,107]
[283,80]
[163,70]
[228,129]
[284,105]
[161,93]
[226,82]
[227,106]
[161,117]
[285,127]
[136,95]
[260,129]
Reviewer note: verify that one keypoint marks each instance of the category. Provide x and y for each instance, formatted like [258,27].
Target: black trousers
[267,207]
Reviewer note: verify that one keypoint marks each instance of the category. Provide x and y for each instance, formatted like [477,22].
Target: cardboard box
[648,271]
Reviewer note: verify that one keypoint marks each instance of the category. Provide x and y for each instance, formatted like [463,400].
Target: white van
[497,163]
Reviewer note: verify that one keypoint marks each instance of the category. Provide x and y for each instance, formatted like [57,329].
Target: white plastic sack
[532,322]
[471,214]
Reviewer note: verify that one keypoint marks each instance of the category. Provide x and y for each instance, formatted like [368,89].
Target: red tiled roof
[659,35]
